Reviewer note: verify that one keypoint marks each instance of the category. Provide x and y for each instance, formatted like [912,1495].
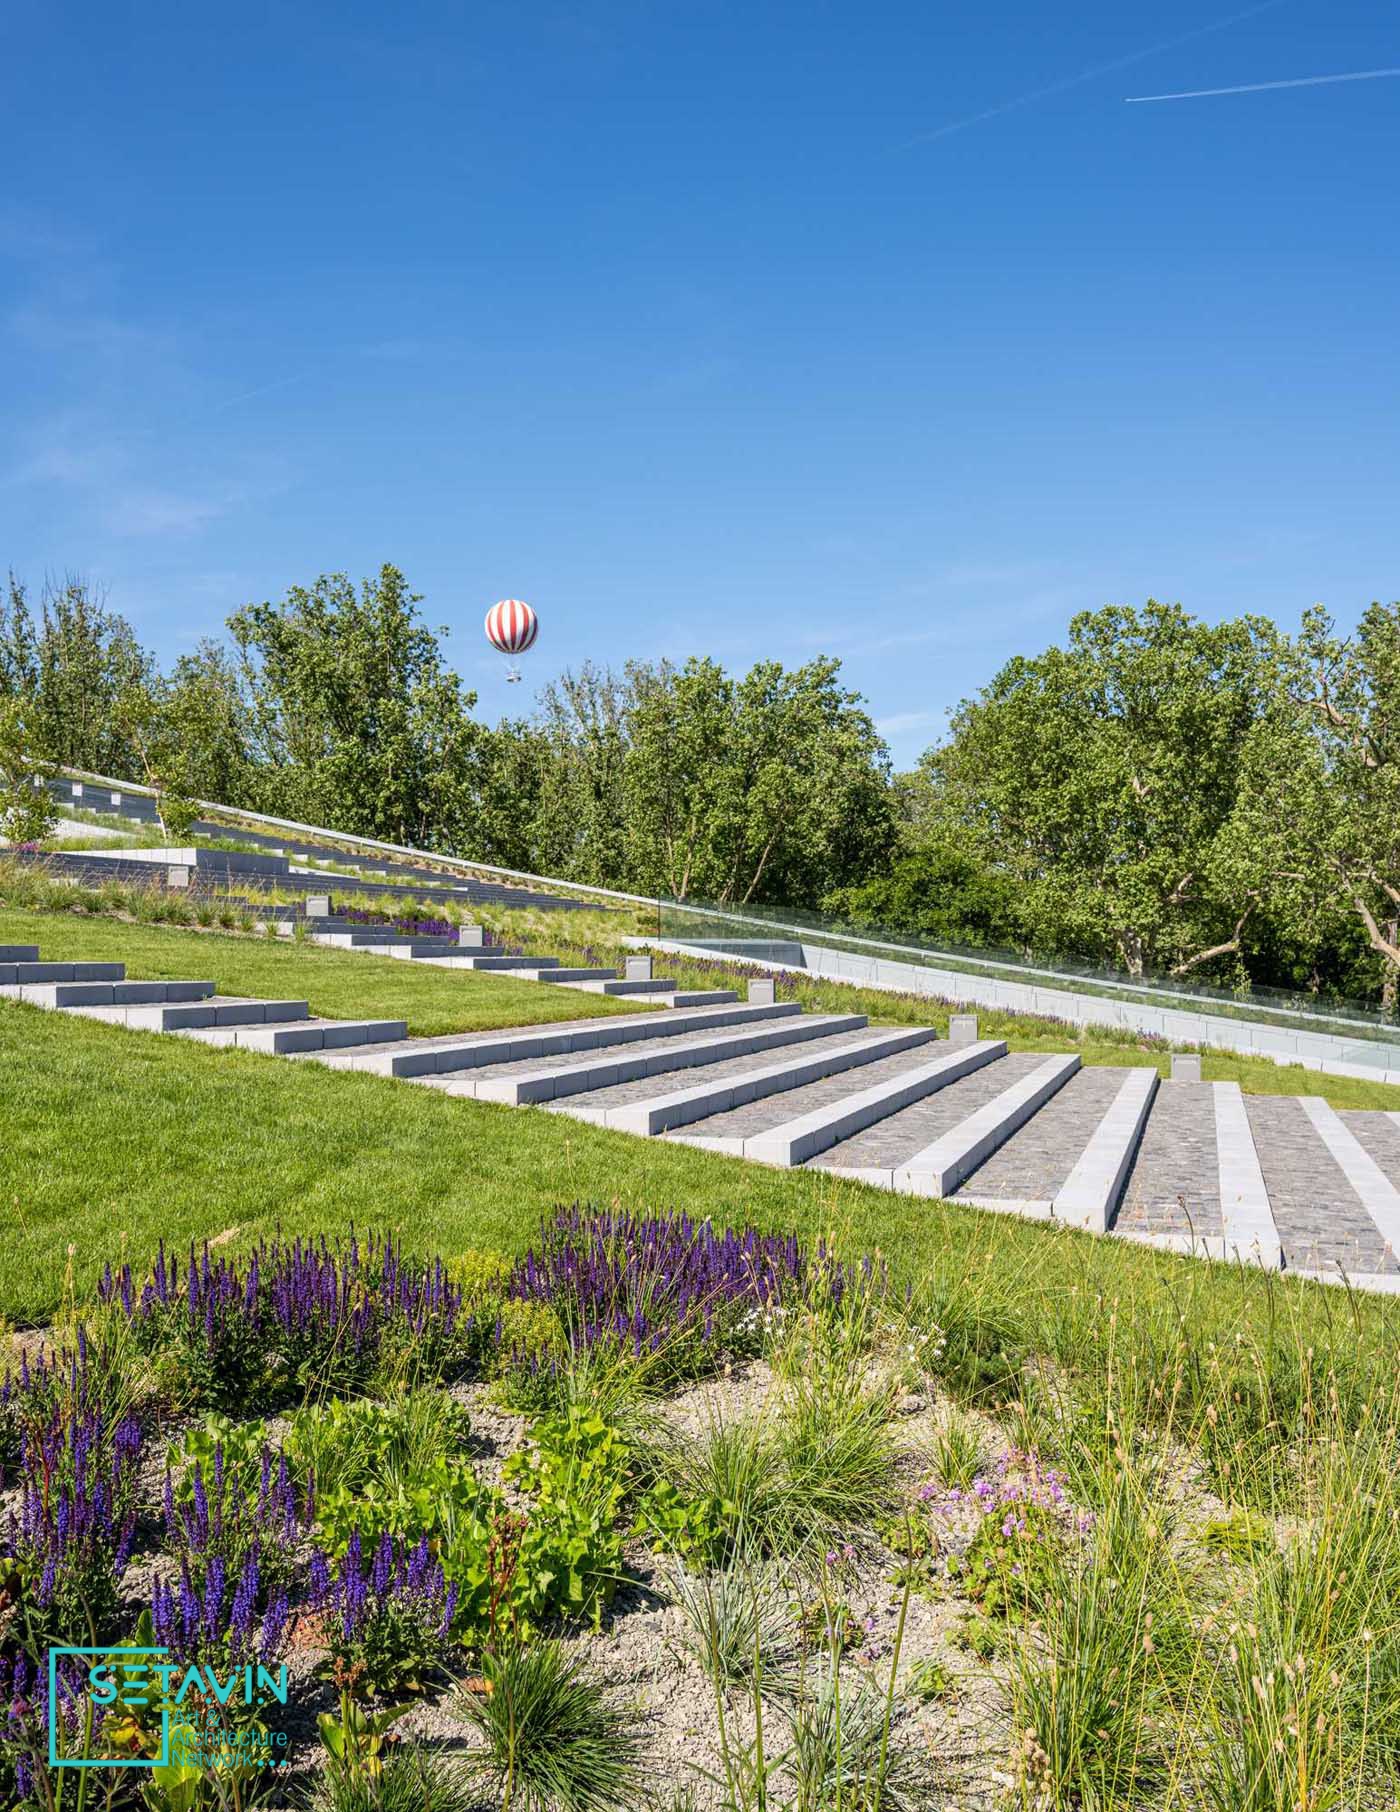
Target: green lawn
[338,984]
[114,1140]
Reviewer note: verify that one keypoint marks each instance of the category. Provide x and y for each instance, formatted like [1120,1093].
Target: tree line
[1158,794]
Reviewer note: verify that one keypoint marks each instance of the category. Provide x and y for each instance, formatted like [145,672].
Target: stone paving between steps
[1035,1161]
[1325,1214]
[1321,1219]
[776,1110]
[1174,1184]
[891,1141]
[620,1094]
[1380,1135]
[642,1048]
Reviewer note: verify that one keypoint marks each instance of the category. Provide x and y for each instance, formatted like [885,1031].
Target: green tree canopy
[353,718]
[1098,778]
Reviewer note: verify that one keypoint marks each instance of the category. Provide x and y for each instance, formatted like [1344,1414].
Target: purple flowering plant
[299,1314]
[70,1536]
[24,1723]
[1004,1531]
[677,1293]
[222,1514]
[221,1615]
[388,1613]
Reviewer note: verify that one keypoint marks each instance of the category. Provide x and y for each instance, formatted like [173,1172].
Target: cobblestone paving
[619,1094]
[1035,1161]
[1174,1184]
[1321,1221]
[439,1039]
[893,1140]
[1379,1135]
[645,1047]
[776,1110]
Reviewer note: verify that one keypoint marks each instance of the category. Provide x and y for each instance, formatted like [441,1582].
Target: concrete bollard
[1186,1066]
[962,1028]
[763,993]
[637,968]
[470,937]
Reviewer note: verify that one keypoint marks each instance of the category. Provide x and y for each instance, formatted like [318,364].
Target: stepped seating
[191,1008]
[1182,1165]
[421,1057]
[470,951]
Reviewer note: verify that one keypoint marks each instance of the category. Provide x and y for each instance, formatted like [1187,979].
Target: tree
[19,666]
[84,660]
[164,759]
[1099,777]
[207,718]
[352,717]
[1318,816]
[27,809]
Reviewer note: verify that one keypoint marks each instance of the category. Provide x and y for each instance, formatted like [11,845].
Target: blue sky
[763,329]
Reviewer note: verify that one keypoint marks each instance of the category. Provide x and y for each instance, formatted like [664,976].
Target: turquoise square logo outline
[140,1761]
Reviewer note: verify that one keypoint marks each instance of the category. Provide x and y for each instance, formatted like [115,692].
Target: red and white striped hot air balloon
[511,628]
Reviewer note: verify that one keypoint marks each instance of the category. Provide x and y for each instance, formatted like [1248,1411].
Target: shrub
[390,1616]
[76,1522]
[302,1317]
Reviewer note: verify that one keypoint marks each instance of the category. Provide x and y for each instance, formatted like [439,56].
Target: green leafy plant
[576,1471]
[930,1681]
[239,1445]
[354,1737]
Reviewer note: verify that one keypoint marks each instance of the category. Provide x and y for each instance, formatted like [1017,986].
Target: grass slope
[115,1140]
[338,984]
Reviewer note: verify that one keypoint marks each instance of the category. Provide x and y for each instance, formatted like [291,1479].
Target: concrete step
[612,983]
[1377,1194]
[1248,1230]
[467,959]
[694,997]
[217,1010]
[23,975]
[1090,1193]
[19,953]
[560,975]
[1069,1160]
[518,1084]
[415,949]
[1173,1184]
[461,1051]
[1324,1205]
[378,943]
[67,995]
[803,1136]
[301,1038]
[940,1167]
[739,1083]
[946,1130]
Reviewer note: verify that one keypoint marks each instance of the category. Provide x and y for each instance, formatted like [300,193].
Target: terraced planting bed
[663,1514]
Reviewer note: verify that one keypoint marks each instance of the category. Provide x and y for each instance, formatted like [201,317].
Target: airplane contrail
[1091,74]
[1312,81]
